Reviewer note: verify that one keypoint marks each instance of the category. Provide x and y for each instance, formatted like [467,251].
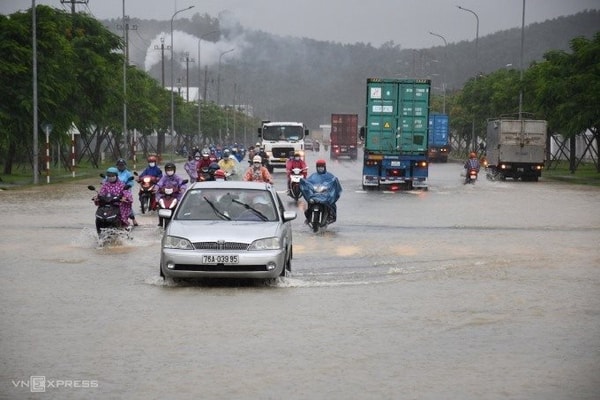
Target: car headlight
[271,243]
[174,242]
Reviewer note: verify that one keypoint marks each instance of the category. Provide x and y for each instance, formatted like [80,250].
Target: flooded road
[486,291]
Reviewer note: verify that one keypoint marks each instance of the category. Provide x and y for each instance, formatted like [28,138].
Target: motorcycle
[319,212]
[294,187]
[471,176]
[168,201]
[147,193]
[108,215]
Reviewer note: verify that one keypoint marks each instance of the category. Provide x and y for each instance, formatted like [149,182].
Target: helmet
[152,159]
[219,174]
[205,154]
[226,153]
[257,159]
[121,161]
[297,154]
[321,166]
[213,166]
[170,167]
[112,171]
[472,155]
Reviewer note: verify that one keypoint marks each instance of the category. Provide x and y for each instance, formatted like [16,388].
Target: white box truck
[515,148]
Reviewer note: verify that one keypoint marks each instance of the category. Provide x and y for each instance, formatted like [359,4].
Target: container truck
[439,146]
[515,148]
[344,136]
[281,140]
[396,134]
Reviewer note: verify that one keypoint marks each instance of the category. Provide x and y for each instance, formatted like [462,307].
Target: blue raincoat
[329,196]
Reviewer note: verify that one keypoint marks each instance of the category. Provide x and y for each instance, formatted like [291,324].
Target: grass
[586,174]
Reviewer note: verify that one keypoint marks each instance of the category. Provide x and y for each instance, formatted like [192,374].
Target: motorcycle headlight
[174,242]
[271,243]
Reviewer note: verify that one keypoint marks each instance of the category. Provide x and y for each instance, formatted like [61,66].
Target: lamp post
[200,102]
[476,38]
[444,74]
[172,93]
[473,139]
[521,63]
[219,76]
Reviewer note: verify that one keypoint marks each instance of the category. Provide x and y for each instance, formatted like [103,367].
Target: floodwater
[485,291]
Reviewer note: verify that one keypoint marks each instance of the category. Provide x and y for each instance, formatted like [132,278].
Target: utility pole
[72,3]
[187,60]
[162,48]
[125,27]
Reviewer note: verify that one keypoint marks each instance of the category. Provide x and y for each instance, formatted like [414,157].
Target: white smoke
[184,42]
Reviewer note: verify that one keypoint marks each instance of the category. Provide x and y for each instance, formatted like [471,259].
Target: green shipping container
[397,116]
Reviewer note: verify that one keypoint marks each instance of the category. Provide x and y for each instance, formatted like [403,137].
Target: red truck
[344,136]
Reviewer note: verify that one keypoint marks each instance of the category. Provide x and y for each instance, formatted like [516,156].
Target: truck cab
[281,140]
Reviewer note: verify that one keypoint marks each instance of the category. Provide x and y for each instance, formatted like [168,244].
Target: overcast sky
[406,22]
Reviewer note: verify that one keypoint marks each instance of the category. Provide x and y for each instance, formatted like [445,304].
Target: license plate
[473,176]
[395,163]
[220,259]
[296,178]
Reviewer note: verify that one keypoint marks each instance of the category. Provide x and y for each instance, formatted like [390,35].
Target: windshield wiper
[216,210]
[254,210]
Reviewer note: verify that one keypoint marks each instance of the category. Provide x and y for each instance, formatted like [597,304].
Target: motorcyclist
[151,170]
[295,161]
[228,163]
[126,176]
[472,162]
[321,176]
[263,155]
[204,162]
[114,187]
[257,173]
[170,178]
[191,167]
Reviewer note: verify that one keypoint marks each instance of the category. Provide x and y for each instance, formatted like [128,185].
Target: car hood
[230,231]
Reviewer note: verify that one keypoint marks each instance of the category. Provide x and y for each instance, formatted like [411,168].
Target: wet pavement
[487,291]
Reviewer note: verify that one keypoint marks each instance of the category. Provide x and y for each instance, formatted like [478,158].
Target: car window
[227,204]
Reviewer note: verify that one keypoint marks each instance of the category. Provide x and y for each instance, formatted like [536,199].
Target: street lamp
[473,139]
[219,76]
[476,38]
[172,93]
[200,80]
[444,74]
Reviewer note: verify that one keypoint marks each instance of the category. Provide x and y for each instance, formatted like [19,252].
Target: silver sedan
[228,229]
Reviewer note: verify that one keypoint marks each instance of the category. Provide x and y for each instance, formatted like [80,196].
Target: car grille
[220,246]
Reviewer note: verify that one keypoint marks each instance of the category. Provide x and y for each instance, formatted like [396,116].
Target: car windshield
[282,132]
[214,204]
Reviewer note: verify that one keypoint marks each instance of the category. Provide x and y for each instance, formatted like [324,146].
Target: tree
[567,88]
